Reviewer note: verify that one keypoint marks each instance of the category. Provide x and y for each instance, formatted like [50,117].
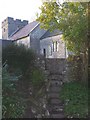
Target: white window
[54,46]
[57,46]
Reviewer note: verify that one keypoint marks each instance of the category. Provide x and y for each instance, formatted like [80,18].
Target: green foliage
[19,59]
[37,77]
[13,105]
[48,15]
[71,18]
[75,96]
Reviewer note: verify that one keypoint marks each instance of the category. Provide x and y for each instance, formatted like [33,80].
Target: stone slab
[55,101]
[57,116]
[53,95]
[54,89]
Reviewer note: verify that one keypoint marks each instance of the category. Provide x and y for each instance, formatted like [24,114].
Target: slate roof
[50,34]
[24,31]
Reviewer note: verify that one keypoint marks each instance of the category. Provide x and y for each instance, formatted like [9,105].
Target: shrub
[37,77]
[18,57]
[13,105]
[75,96]
[20,61]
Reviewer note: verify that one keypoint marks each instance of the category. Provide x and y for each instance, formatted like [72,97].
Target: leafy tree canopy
[71,18]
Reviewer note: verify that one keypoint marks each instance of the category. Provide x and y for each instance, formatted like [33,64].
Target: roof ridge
[24,31]
[16,31]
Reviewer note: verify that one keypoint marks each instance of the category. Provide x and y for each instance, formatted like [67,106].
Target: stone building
[11,26]
[42,41]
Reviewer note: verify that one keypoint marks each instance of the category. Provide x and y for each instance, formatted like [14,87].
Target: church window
[57,45]
[54,47]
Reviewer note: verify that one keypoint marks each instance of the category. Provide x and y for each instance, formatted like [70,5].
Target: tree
[72,19]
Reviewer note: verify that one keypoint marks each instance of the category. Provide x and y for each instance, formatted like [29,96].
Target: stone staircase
[55,105]
[55,79]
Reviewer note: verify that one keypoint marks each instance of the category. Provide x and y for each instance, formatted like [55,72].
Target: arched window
[53,46]
[57,46]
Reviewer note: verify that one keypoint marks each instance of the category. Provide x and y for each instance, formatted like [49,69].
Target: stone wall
[73,70]
[55,66]
[9,25]
[4,43]
[54,47]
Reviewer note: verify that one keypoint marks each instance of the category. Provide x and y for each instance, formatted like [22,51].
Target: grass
[75,96]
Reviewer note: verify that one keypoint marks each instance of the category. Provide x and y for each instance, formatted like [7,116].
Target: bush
[37,77]
[13,105]
[75,96]
[18,57]
[20,62]
[23,62]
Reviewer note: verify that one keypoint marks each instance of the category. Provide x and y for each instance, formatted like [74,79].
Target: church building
[44,42]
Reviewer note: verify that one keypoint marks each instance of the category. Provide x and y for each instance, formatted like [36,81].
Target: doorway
[44,52]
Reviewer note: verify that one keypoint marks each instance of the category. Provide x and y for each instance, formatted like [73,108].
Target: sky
[19,9]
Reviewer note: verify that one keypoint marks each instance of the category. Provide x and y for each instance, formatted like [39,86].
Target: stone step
[54,89]
[53,95]
[56,109]
[55,102]
[55,83]
[55,77]
[57,115]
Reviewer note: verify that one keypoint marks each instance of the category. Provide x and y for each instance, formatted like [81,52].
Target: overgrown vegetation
[72,19]
[37,78]
[13,105]
[75,96]
[18,57]
[20,74]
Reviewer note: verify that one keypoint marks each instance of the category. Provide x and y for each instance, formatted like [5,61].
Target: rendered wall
[47,44]
[35,36]
[25,41]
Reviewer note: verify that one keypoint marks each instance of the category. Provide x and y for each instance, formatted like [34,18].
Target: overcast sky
[19,9]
